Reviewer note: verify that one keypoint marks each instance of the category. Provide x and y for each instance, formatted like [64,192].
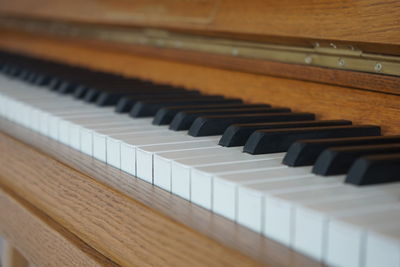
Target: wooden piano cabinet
[60,207]
[33,237]
[81,210]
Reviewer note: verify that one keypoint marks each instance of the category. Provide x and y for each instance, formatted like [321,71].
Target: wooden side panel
[42,241]
[367,22]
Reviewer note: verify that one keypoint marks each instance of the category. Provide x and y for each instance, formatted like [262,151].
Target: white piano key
[87,139]
[311,222]
[163,160]
[100,137]
[183,162]
[225,186]
[145,155]
[383,248]
[201,178]
[83,127]
[347,237]
[76,129]
[114,144]
[162,172]
[128,158]
[179,138]
[250,202]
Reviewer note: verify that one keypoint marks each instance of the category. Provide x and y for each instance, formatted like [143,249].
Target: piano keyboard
[326,188]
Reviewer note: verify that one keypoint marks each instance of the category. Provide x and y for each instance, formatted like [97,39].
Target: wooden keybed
[82,212]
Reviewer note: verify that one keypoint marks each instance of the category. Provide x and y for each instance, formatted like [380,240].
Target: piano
[204,133]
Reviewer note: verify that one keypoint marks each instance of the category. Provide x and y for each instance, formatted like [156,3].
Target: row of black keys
[332,146]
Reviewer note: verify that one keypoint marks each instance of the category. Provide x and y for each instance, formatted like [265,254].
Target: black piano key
[126,104]
[6,69]
[10,69]
[41,79]
[55,83]
[94,93]
[14,71]
[279,140]
[337,160]
[306,152]
[89,94]
[184,119]
[25,74]
[374,169]
[3,64]
[112,98]
[67,87]
[31,77]
[217,124]
[80,91]
[164,116]
[237,134]
[150,108]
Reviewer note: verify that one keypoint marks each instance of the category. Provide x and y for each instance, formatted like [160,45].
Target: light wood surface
[11,257]
[135,222]
[371,25]
[344,78]
[327,101]
[42,241]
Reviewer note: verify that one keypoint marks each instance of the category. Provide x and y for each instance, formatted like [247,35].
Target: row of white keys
[79,127]
[59,125]
[163,164]
[309,212]
[49,102]
[56,125]
[56,115]
[369,240]
[300,219]
[121,150]
[65,126]
[197,183]
[73,125]
[251,196]
[99,133]
[145,154]
[87,134]
[225,186]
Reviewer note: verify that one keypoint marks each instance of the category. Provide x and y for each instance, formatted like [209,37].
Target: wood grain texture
[372,25]
[327,101]
[11,257]
[352,79]
[41,240]
[135,223]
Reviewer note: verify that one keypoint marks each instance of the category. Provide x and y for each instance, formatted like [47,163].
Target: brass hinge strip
[329,56]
